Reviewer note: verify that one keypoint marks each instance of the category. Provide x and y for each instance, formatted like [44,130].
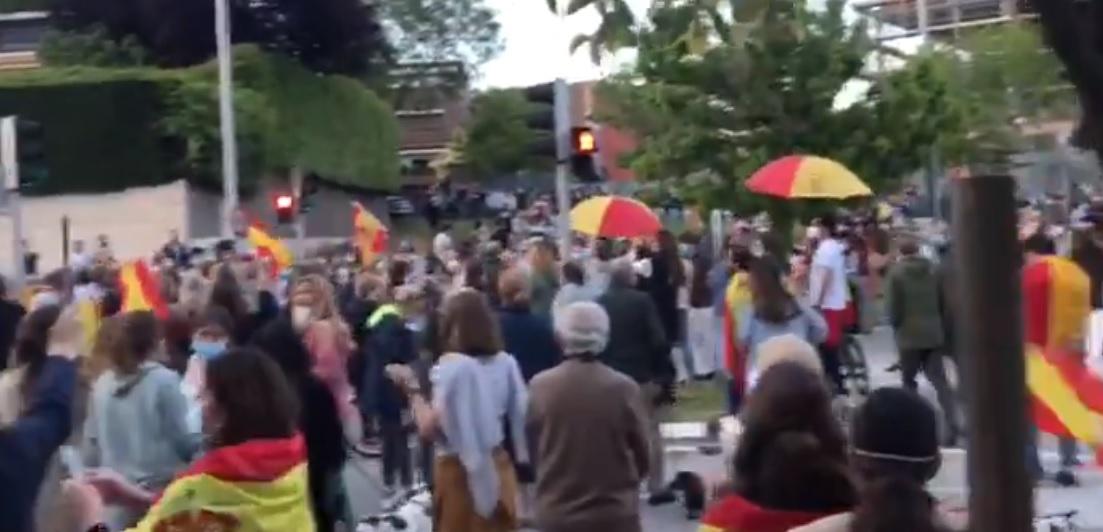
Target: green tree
[91,48]
[443,30]
[707,120]
[1072,28]
[1002,78]
[497,138]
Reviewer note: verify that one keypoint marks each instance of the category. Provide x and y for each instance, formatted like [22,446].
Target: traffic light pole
[562,162]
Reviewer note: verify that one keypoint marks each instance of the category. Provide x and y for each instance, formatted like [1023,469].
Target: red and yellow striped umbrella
[614,217]
[802,176]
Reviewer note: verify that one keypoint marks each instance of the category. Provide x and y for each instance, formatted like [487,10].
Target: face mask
[300,317]
[208,350]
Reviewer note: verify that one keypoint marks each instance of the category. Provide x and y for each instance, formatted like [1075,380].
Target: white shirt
[830,256]
[442,243]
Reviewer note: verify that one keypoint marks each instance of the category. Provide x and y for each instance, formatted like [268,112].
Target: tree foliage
[442,30]
[328,36]
[497,138]
[1072,28]
[707,119]
[91,48]
[1002,78]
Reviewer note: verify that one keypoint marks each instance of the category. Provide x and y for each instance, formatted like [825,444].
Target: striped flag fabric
[257,485]
[270,248]
[1067,398]
[369,233]
[140,289]
[736,298]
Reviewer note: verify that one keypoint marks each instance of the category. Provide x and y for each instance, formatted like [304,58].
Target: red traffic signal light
[285,208]
[583,141]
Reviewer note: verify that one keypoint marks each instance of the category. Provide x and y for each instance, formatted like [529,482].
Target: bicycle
[1057,522]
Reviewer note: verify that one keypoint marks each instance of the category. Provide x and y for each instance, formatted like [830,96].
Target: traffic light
[583,149]
[285,208]
[30,153]
[541,120]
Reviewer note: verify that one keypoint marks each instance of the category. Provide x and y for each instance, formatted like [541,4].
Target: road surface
[950,485]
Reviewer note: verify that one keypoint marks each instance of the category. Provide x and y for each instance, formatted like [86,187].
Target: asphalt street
[949,486]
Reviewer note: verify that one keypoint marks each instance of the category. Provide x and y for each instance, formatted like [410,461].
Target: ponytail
[895,503]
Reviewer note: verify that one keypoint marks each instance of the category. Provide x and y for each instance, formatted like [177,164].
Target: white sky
[532,38]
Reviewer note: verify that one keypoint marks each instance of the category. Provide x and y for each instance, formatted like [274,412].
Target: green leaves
[497,138]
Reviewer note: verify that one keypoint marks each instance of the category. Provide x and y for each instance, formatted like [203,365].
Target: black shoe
[1065,479]
[661,498]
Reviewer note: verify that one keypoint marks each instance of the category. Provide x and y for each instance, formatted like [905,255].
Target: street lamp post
[226,114]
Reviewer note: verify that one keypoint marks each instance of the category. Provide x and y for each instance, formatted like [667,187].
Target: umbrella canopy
[614,217]
[801,176]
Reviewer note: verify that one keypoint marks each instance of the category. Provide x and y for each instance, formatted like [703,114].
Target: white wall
[137,221]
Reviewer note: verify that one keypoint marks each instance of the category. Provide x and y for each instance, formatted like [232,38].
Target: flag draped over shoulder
[369,233]
[736,514]
[1067,398]
[270,248]
[257,486]
[736,298]
[140,290]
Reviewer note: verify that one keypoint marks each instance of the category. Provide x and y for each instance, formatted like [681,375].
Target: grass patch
[699,401]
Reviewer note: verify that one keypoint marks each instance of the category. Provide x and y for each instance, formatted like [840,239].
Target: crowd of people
[526,388]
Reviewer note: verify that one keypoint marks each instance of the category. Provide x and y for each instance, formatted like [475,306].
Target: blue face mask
[208,350]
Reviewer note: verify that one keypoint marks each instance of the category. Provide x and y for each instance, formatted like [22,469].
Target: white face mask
[300,317]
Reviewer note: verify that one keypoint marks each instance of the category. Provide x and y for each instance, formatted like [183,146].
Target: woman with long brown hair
[791,465]
[315,315]
[476,387]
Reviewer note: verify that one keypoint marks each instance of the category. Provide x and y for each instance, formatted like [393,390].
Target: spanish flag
[1067,398]
[736,299]
[736,514]
[256,486]
[140,290]
[270,248]
[370,234]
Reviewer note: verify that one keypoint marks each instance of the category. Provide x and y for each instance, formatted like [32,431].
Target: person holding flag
[254,477]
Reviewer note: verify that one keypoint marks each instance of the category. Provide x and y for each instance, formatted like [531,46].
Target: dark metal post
[65,241]
[988,258]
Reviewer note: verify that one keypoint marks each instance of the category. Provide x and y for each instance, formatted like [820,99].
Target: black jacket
[529,339]
[320,424]
[389,342]
[638,346]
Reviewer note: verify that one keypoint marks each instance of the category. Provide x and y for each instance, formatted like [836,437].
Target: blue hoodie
[27,445]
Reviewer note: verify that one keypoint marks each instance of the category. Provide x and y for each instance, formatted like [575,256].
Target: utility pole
[226,113]
[9,158]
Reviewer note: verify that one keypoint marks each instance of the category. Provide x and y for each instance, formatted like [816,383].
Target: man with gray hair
[588,425]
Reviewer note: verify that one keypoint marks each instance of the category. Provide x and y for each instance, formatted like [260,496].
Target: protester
[137,419]
[30,440]
[774,312]
[543,277]
[574,287]
[667,277]
[10,314]
[226,293]
[790,468]
[700,325]
[590,434]
[894,452]
[639,348]
[391,341]
[527,337]
[110,340]
[475,486]
[914,293]
[318,421]
[255,474]
[327,337]
[600,266]
[210,341]
[28,357]
[829,293]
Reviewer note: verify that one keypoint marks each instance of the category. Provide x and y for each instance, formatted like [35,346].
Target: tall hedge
[108,129]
